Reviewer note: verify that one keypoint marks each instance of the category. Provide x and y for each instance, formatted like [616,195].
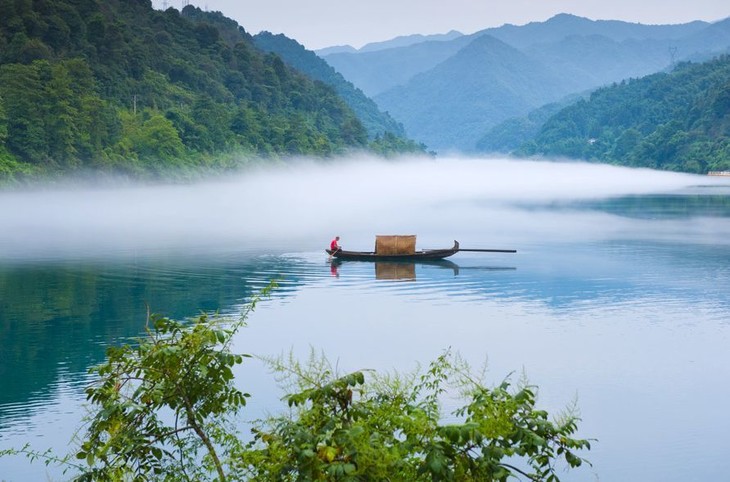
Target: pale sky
[324,23]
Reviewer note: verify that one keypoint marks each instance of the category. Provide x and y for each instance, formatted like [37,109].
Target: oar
[489,250]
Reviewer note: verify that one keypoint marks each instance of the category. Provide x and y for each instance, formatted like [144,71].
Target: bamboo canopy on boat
[395,244]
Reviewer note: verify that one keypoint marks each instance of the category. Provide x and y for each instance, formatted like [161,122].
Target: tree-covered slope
[510,134]
[387,136]
[675,121]
[306,61]
[115,84]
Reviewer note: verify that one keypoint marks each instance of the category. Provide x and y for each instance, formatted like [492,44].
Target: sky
[324,23]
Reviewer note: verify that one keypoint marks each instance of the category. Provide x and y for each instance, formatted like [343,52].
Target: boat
[402,248]
[422,255]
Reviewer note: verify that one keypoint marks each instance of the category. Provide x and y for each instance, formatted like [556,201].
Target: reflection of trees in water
[665,206]
[63,314]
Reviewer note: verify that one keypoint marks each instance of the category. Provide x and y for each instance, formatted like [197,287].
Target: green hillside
[115,85]
[306,61]
[387,135]
[677,121]
[510,134]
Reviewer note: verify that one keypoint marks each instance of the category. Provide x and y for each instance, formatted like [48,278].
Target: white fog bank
[302,205]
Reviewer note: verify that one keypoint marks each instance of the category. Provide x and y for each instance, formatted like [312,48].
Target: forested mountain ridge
[676,121]
[115,85]
[386,134]
[510,134]
[583,54]
[306,61]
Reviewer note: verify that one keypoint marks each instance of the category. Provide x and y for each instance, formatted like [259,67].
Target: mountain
[335,49]
[397,42]
[407,40]
[510,134]
[558,27]
[115,85]
[426,89]
[701,45]
[486,82]
[676,121]
[306,61]
[365,69]
[377,71]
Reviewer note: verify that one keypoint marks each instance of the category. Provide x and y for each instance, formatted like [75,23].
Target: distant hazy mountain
[703,44]
[401,41]
[406,40]
[486,82]
[378,71]
[589,61]
[335,49]
[445,92]
[294,54]
[562,25]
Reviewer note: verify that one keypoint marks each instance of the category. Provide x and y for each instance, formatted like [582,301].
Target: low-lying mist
[300,206]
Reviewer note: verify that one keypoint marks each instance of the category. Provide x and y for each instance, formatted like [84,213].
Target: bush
[165,409]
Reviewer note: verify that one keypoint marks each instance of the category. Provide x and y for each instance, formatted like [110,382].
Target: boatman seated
[335,244]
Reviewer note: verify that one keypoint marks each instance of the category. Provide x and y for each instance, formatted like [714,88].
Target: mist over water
[617,293]
[301,205]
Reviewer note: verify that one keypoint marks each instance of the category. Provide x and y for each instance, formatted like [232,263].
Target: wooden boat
[425,254]
[414,255]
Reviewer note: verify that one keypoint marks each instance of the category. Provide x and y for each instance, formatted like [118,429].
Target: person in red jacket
[335,244]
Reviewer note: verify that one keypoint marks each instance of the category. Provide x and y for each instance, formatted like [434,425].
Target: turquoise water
[627,316]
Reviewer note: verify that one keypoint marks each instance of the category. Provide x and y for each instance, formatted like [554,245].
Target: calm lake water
[617,299]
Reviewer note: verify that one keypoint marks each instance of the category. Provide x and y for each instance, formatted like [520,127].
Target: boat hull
[426,254]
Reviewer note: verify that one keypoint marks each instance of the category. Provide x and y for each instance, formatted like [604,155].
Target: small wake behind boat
[402,248]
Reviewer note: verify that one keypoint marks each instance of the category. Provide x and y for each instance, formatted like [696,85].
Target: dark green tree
[71,72]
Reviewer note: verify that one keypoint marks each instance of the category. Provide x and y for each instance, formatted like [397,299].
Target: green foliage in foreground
[165,409]
[392,428]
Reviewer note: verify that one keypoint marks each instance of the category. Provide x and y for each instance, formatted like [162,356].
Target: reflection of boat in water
[403,248]
[397,269]
[406,270]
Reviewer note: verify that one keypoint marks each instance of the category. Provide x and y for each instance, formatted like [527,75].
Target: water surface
[616,299]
